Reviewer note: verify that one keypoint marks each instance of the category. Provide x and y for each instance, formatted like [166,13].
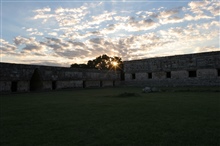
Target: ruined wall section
[182,70]
[12,75]
[100,78]
[19,77]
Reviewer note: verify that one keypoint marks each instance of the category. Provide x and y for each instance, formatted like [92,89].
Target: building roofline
[210,52]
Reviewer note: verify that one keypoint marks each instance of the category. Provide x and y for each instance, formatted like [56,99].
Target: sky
[61,33]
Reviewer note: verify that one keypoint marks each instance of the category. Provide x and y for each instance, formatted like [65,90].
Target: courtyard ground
[111,116]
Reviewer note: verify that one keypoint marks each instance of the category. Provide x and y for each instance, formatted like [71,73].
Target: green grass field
[101,117]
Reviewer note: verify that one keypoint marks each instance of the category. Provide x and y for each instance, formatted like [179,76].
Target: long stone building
[24,78]
[202,69]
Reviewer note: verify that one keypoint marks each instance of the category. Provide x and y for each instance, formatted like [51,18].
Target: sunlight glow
[114,63]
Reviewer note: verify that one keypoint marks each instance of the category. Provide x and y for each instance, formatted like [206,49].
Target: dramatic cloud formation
[50,33]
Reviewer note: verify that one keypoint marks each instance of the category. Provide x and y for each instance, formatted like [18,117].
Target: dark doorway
[133,76]
[149,75]
[113,83]
[84,84]
[122,76]
[14,86]
[36,81]
[168,74]
[192,73]
[54,85]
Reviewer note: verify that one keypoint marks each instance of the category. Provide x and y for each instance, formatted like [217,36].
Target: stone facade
[202,69]
[25,78]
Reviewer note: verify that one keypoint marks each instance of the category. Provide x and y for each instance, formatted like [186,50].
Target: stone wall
[108,83]
[201,69]
[69,84]
[5,86]
[92,83]
[24,78]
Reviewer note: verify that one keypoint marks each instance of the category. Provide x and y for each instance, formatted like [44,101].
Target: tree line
[102,62]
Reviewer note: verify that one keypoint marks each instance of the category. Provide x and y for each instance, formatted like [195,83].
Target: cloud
[53,33]
[77,44]
[197,7]
[214,8]
[106,16]
[97,41]
[74,10]
[34,31]
[47,9]
[6,47]
[70,54]
[62,16]
[43,16]
[189,17]
[20,40]
[141,25]
[31,45]
[55,44]
[89,30]
[121,18]
[192,33]
[207,48]
[168,13]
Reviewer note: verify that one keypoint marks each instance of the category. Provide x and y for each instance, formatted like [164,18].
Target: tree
[75,65]
[103,62]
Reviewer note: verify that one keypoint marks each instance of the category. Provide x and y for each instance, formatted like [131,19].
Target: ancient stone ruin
[201,69]
[24,78]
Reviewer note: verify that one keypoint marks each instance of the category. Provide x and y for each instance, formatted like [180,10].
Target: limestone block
[159,75]
[92,83]
[68,84]
[107,83]
[207,73]
[179,74]
[128,77]
[47,85]
[23,86]
[5,86]
[141,76]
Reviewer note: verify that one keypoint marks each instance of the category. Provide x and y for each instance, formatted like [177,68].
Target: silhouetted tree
[103,62]
[75,65]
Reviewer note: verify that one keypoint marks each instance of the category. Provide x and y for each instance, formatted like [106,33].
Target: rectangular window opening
[218,72]
[14,86]
[192,74]
[54,85]
[84,84]
[149,75]
[133,76]
[169,74]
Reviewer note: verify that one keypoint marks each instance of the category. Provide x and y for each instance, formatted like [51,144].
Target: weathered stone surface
[23,78]
[5,86]
[202,69]
[147,90]
[172,63]
[92,83]
[107,84]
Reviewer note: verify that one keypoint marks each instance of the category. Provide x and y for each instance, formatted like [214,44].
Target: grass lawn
[100,117]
